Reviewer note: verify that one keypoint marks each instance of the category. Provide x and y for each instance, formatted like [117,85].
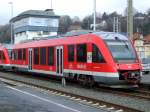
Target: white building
[34,24]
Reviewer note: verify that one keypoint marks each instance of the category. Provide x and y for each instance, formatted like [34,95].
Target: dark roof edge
[29,15]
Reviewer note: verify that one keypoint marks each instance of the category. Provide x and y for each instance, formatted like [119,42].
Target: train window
[71,53]
[12,55]
[51,56]
[24,54]
[0,55]
[81,53]
[3,56]
[20,54]
[9,53]
[43,56]
[15,54]
[96,55]
[36,56]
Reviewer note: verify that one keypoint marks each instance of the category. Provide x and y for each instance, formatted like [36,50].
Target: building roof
[147,37]
[139,15]
[48,13]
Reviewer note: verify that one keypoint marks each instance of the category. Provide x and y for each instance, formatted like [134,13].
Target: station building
[142,46]
[34,24]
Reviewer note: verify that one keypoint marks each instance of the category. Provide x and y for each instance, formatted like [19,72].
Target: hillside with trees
[5,34]
[104,22]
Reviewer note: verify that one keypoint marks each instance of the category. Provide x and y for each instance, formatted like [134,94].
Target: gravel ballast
[139,104]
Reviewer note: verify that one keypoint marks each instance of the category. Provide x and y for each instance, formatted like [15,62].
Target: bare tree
[86,23]
[5,33]
[64,24]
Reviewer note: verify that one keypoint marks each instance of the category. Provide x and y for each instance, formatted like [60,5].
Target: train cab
[5,55]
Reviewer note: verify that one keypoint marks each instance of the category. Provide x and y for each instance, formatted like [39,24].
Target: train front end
[126,60]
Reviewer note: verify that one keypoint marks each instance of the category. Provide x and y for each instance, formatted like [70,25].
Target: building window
[46,33]
[96,55]
[43,56]
[81,53]
[36,56]
[39,33]
[24,54]
[50,56]
[71,53]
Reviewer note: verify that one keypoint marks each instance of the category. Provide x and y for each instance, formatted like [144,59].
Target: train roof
[102,34]
[71,38]
[111,35]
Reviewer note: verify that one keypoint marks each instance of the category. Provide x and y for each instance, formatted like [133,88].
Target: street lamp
[94,15]
[51,4]
[130,19]
[11,24]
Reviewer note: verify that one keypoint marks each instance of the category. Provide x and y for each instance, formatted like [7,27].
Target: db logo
[129,66]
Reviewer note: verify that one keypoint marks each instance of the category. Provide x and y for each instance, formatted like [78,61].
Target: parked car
[146,65]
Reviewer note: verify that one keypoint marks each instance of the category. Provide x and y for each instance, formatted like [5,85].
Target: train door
[59,60]
[30,58]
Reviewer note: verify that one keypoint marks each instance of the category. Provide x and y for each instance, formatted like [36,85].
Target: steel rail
[88,99]
[139,94]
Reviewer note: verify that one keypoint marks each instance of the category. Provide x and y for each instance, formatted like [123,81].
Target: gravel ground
[139,104]
[146,79]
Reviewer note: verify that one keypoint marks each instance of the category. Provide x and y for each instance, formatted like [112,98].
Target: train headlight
[117,66]
[132,74]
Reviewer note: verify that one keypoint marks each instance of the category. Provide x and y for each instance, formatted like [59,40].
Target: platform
[26,99]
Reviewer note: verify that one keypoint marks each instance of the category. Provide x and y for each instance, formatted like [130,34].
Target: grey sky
[73,8]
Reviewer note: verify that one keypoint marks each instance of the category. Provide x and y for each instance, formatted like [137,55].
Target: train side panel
[84,57]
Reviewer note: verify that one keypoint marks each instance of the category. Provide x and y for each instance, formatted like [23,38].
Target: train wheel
[90,81]
[1,68]
[86,80]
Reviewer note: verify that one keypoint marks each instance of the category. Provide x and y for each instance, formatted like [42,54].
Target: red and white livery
[5,57]
[103,57]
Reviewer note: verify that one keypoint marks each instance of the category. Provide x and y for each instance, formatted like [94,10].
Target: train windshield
[121,50]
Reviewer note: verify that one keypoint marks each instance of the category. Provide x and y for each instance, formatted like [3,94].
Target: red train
[5,56]
[103,57]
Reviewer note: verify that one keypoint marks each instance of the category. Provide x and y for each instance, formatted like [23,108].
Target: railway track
[144,87]
[140,94]
[110,107]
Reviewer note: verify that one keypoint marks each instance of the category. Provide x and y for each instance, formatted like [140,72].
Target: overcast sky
[73,8]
